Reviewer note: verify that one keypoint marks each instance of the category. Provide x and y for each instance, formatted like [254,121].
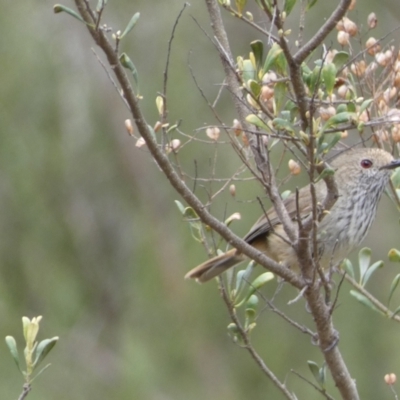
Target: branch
[236,92]
[26,389]
[248,346]
[323,32]
[165,165]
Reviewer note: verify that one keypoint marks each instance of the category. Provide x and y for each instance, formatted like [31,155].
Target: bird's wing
[265,224]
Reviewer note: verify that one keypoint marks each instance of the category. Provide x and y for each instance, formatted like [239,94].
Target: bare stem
[26,389]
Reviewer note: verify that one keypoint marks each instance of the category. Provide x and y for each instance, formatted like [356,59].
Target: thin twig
[249,347]
[25,391]
[322,391]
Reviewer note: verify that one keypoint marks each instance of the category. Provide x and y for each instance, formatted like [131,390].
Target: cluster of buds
[267,91]
[346,29]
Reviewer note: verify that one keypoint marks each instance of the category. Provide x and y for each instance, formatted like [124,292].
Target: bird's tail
[215,266]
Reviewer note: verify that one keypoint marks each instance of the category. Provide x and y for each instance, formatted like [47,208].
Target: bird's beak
[393,164]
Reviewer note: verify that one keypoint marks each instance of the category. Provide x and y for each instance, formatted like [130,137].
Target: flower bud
[157,126]
[269,77]
[372,46]
[343,38]
[294,167]
[266,93]
[327,112]
[342,91]
[372,21]
[349,26]
[175,144]
[237,127]
[390,379]
[381,59]
[213,133]
[129,127]
[140,142]
[396,133]
[358,68]
[232,190]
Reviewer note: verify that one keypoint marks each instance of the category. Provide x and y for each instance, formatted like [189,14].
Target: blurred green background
[92,240]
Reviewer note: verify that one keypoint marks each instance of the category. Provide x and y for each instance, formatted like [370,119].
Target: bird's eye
[366,163]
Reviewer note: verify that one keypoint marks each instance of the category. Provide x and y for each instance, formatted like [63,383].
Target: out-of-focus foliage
[90,236]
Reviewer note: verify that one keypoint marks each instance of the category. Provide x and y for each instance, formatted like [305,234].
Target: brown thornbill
[360,175]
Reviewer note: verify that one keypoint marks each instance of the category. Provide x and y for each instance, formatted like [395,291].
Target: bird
[361,175]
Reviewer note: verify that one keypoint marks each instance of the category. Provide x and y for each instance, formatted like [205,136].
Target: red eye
[366,163]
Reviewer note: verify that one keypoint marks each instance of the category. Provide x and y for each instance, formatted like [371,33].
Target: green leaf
[288,7]
[251,308]
[394,255]
[314,368]
[364,259]
[280,90]
[285,194]
[180,206]
[348,267]
[322,375]
[396,178]
[255,88]
[131,24]
[272,56]
[12,346]
[234,217]
[128,64]
[325,173]
[257,47]
[314,79]
[257,121]
[100,5]
[370,271]
[365,105]
[282,124]
[329,72]
[393,287]
[334,140]
[248,71]
[240,5]
[310,3]
[258,283]
[396,311]
[60,8]
[364,300]
[338,119]
[44,348]
[242,278]
[340,59]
